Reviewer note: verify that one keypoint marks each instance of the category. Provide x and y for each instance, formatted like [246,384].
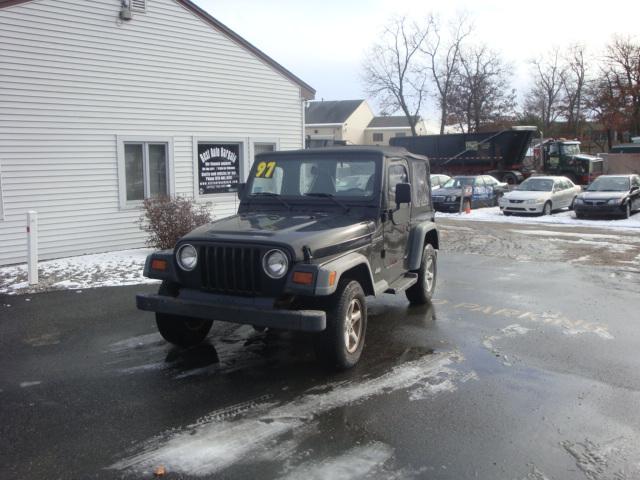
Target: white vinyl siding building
[97,112]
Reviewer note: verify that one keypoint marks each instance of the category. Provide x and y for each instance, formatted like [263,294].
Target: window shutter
[139,5]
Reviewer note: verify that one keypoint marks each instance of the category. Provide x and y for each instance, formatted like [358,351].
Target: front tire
[627,210]
[179,330]
[422,292]
[340,345]
[546,210]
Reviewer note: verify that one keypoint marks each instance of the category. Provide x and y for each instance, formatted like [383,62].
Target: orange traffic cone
[467,206]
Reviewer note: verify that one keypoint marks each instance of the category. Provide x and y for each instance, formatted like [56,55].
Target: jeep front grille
[229,269]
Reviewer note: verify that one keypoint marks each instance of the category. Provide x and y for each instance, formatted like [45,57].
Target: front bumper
[234,309]
[522,208]
[446,207]
[599,210]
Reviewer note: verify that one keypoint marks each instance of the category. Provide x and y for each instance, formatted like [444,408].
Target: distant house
[381,129]
[337,121]
[105,103]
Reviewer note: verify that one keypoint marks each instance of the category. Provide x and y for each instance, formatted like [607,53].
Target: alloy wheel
[353,326]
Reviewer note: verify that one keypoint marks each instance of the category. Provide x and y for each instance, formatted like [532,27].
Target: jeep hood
[324,234]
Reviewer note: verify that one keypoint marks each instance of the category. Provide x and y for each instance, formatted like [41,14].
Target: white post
[32,246]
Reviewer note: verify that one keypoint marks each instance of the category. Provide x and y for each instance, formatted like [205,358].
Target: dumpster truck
[502,155]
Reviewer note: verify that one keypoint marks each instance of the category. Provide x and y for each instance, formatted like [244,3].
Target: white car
[437,180]
[540,195]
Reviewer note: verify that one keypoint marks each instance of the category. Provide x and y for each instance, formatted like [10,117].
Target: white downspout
[303,104]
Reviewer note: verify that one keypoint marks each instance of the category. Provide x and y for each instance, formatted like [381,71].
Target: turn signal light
[303,278]
[160,265]
[332,278]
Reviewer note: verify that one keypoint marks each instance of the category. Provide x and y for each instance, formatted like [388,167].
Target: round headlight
[187,257]
[275,263]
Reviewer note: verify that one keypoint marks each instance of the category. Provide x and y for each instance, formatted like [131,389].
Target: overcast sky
[324,42]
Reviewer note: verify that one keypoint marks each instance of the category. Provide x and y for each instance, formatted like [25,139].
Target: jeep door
[396,225]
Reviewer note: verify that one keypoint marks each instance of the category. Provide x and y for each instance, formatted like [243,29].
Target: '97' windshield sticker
[265,169]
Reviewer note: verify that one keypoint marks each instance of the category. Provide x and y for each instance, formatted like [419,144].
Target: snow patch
[617,458]
[508,331]
[210,446]
[493,214]
[357,463]
[30,384]
[86,271]
[585,236]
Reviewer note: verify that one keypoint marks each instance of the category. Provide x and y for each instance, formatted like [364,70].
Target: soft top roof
[384,151]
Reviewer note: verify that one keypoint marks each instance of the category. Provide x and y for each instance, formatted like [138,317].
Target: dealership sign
[218,167]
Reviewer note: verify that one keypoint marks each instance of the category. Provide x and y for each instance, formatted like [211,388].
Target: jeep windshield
[313,176]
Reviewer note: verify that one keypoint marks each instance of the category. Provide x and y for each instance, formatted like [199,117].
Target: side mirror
[403,193]
[634,189]
[241,189]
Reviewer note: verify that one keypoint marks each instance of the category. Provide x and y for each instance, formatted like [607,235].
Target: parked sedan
[438,180]
[540,195]
[611,195]
[486,191]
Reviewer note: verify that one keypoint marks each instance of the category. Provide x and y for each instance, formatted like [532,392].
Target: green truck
[563,157]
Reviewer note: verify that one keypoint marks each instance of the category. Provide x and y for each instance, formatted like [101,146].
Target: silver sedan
[540,195]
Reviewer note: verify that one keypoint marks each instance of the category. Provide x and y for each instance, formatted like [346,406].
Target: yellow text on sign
[265,169]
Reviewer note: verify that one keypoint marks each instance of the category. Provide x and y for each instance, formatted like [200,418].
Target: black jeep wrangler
[316,232]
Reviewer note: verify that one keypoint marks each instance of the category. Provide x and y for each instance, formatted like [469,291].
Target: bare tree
[482,94]
[622,63]
[392,73]
[613,96]
[545,98]
[443,58]
[573,85]
[605,103]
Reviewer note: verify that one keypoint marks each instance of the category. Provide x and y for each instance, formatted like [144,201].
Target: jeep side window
[397,174]
[421,197]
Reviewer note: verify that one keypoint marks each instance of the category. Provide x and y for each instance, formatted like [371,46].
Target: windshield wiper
[331,196]
[271,195]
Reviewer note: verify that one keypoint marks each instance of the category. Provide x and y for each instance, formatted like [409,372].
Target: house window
[263,147]
[378,137]
[144,170]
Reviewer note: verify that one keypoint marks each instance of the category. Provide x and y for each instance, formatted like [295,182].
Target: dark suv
[316,232]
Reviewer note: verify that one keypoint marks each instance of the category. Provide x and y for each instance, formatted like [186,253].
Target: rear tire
[422,291]
[179,330]
[340,345]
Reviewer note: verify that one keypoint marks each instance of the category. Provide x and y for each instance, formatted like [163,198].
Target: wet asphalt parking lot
[526,366]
